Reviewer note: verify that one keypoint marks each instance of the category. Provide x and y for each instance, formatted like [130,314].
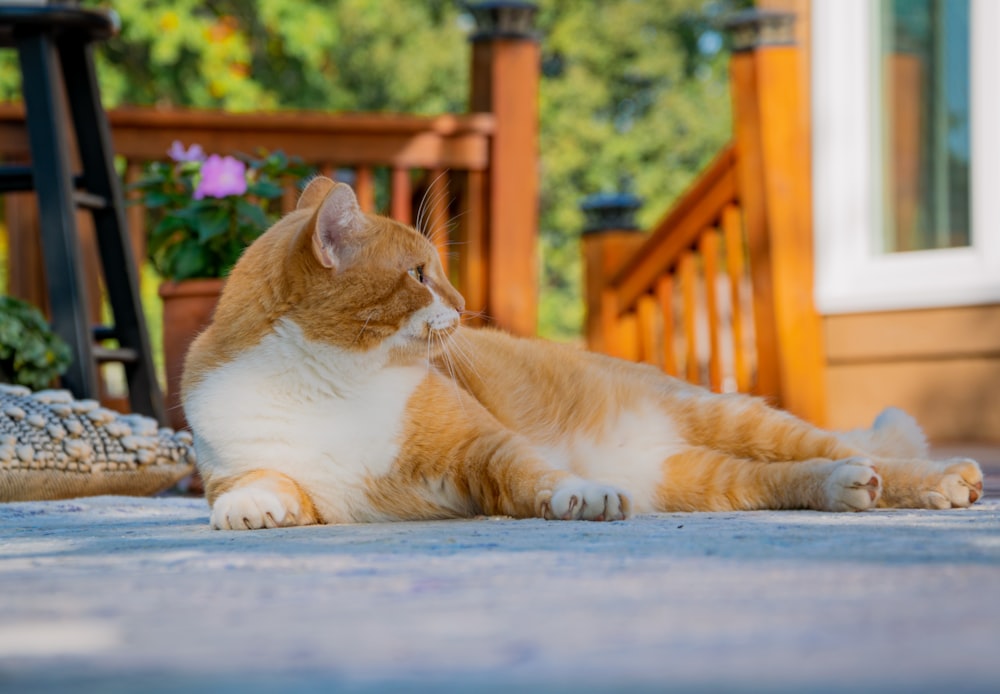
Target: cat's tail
[895,434]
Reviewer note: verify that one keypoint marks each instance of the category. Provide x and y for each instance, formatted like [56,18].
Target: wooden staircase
[720,291]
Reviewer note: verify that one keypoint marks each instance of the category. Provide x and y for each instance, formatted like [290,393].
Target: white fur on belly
[328,418]
[627,453]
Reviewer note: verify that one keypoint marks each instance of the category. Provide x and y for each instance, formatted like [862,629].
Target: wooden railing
[682,300]
[720,291]
[394,162]
[478,171]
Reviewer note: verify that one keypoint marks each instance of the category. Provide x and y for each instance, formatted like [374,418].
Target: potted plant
[30,353]
[202,211]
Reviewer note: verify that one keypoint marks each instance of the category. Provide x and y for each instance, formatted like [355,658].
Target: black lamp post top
[503,19]
[610,212]
[755,28]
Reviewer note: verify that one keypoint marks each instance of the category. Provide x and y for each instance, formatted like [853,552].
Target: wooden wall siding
[962,332]
[720,292]
[954,400]
[940,365]
[443,161]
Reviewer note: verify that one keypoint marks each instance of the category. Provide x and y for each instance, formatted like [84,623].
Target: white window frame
[852,274]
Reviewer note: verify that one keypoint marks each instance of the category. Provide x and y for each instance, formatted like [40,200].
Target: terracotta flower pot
[187,310]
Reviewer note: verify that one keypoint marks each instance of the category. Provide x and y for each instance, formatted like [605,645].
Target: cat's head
[354,280]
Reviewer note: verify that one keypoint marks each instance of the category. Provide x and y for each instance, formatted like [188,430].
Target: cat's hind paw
[584,500]
[853,485]
[960,485]
[253,508]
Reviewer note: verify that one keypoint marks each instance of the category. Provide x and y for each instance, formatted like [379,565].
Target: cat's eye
[417,273]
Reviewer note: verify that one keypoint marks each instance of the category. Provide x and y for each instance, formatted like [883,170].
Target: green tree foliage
[634,92]
[634,96]
[243,55]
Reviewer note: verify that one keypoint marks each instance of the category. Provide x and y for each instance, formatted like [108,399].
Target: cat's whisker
[431,199]
[421,210]
[451,223]
[442,196]
[361,332]
[456,217]
[446,358]
[463,350]
[459,350]
[445,228]
[472,315]
[440,231]
[449,358]
[419,221]
[430,339]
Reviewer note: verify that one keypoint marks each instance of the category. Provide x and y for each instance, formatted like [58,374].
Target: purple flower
[221,176]
[179,154]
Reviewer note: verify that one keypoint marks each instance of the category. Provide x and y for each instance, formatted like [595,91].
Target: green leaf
[170,224]
[277,159]
[265,189]
[211,224]
[189,261]
[146,182]
[252,214]
[193,209]
[165,231]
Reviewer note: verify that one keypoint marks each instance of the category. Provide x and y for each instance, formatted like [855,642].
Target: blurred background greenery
[634,93]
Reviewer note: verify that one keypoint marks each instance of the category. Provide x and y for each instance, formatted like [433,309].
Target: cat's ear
[338,224]
[314,193]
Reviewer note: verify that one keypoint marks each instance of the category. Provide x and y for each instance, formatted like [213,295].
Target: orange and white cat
[335,385]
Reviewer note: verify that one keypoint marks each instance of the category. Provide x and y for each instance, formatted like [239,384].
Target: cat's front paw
[252,508]
[584,500]
[959,485]
[853,485]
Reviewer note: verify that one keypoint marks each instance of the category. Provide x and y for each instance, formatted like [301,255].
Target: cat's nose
[455,299]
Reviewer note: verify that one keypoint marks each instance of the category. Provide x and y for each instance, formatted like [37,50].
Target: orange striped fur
[335,384]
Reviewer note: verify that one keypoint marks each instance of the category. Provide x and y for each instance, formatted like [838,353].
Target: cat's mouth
[433,328]
[440,330]
[443,324]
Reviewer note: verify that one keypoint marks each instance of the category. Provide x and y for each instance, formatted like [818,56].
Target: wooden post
[506,60]
[610,238]
[26,270]
[771,118]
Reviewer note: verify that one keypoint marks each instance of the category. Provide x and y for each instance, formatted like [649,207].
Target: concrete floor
[115,594]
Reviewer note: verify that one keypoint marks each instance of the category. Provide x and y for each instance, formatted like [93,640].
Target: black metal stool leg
[100,179]
[53,182]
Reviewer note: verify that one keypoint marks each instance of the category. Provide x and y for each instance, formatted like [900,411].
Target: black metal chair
[54,48]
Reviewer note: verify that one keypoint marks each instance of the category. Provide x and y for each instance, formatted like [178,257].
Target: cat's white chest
[330,420]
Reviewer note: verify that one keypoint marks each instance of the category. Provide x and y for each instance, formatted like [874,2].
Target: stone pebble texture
[53,446]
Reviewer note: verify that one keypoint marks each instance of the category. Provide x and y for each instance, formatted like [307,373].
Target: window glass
[924,58]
